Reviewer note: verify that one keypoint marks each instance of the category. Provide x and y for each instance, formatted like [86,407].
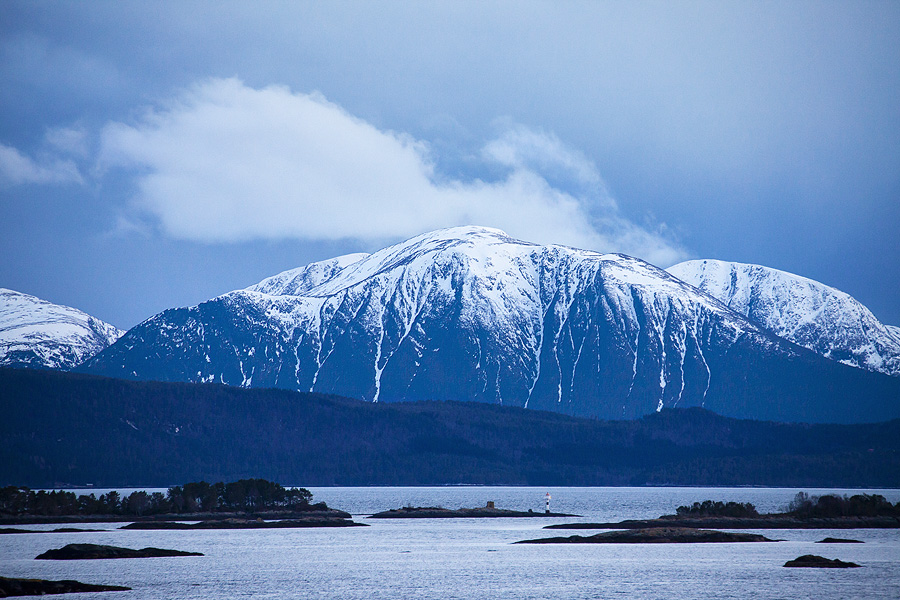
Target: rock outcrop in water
[655,535]
[811,560]
[97,551]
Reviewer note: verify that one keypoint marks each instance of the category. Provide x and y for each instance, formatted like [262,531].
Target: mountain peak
[462,232]
[38,333]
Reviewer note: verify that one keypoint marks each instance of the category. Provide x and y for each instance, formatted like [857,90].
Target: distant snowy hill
[36,333]
[806,312]
[471,314]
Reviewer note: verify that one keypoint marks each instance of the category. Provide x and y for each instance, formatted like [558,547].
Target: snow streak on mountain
[36,333]
[471,314]
[806,312]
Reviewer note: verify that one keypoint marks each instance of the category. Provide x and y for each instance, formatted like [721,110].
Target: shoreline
[167,517]
[434,512]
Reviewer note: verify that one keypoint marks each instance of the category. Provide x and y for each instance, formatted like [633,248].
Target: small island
[818,562]
[12,586]
[862,511]
[655,535]
[243,500]
[97,551]
[437,512]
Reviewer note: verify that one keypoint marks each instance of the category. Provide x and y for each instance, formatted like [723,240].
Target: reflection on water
[474,558]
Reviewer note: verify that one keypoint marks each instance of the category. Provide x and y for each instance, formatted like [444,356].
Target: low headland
[861,511]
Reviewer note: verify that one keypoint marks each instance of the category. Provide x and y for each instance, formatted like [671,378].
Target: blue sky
[158,154]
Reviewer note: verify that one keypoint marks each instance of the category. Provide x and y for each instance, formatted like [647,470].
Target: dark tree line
[832,505]
[245,495]
[710,508]
[803,505]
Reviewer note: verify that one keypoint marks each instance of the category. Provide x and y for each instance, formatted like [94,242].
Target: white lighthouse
[547,510]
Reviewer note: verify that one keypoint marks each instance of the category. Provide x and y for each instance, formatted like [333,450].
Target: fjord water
[475,558]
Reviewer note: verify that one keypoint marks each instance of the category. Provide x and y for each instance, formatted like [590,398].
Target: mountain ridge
[471,314]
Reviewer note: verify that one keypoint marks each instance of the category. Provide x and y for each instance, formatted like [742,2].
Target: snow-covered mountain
[36,333]
[471,314]
[806,312]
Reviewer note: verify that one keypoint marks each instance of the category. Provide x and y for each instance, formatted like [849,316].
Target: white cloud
[520,147]
[16,168]
[226,162]
[68,140]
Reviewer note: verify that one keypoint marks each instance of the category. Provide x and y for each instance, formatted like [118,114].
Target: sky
[157,154]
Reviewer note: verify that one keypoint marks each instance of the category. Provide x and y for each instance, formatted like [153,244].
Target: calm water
[475,558]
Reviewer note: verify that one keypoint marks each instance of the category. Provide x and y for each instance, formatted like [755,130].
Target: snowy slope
[36,333]
[806,312]
[297,282]
[471,314]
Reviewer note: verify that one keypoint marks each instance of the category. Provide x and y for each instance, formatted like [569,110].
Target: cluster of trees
[710,508]
[832,505]
[23,501]
[245,495]
[242,495]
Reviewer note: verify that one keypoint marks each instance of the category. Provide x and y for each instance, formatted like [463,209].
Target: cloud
[17,169]
[225,162]
[68,140]
[523,148]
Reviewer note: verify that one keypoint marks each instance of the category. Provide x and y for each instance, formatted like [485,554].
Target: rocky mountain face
[471,314]
[806,312]
[36,333]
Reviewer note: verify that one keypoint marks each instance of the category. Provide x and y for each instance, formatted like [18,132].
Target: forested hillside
[69,429]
